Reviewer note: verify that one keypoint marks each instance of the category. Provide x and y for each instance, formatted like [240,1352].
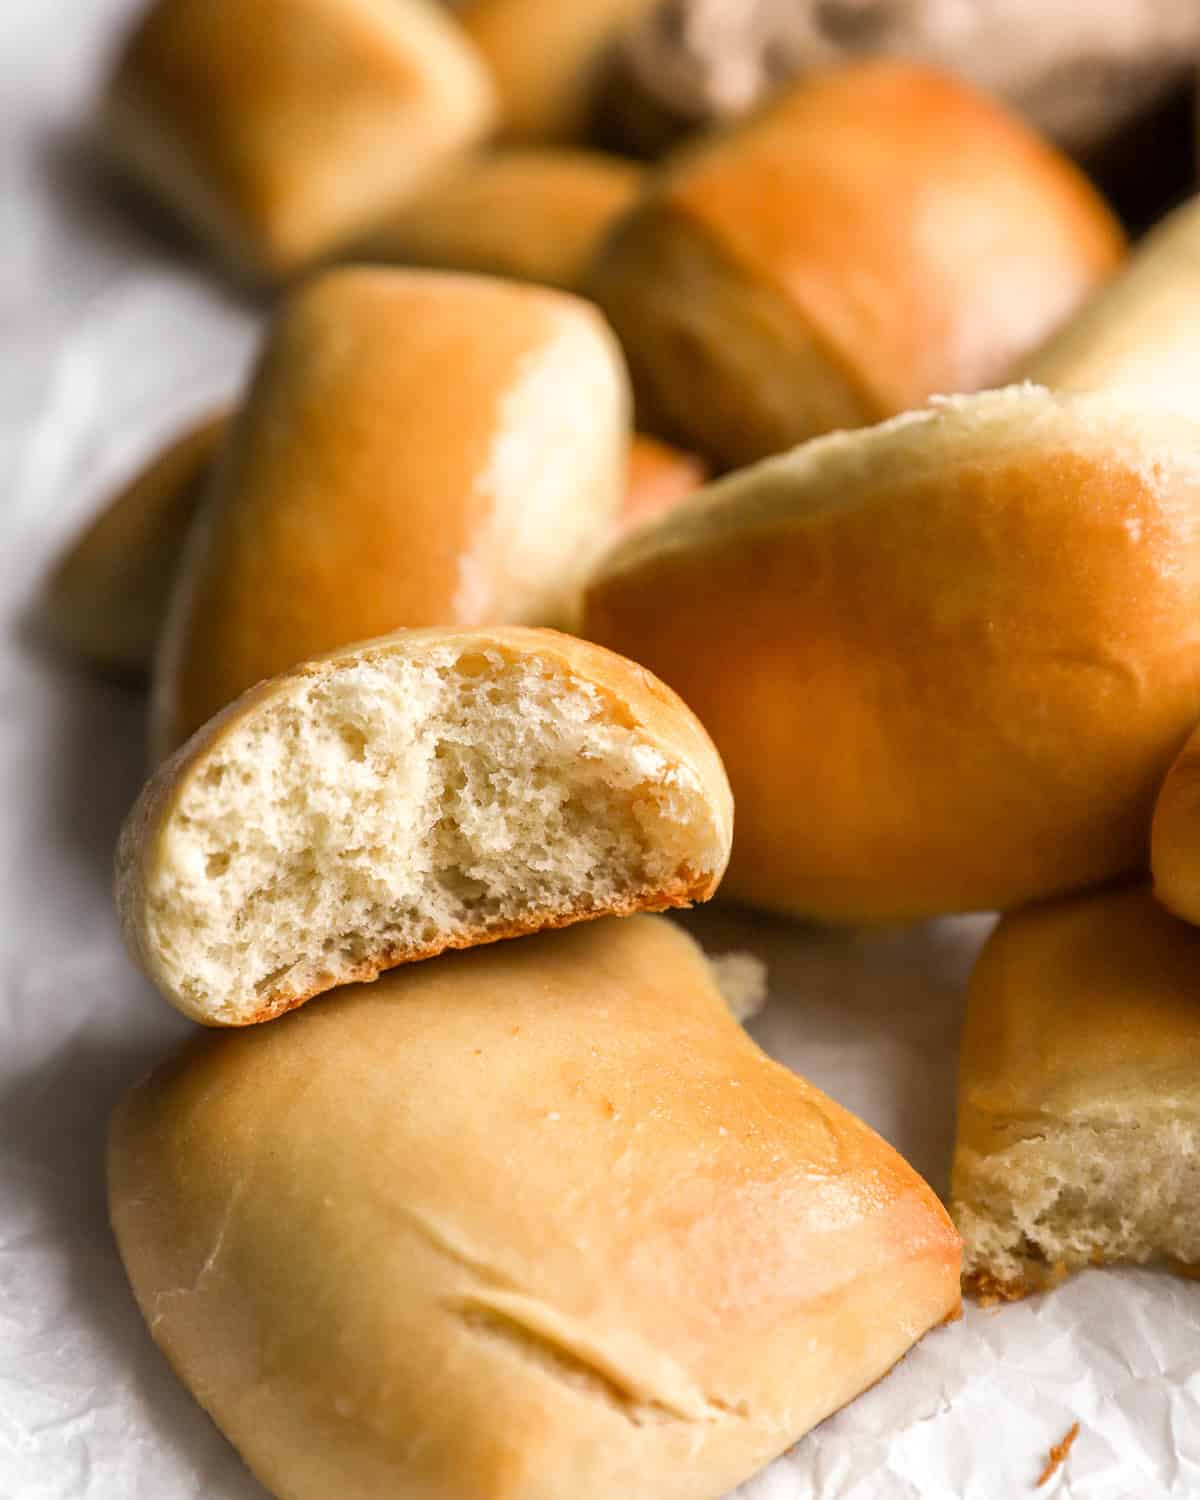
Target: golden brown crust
[632,698]
[1175,835]
[534,215]
[1140,331]
[547,60]
[761,302]
[946,661]
[275,153]
[991,1291]
[645,1257]
[660,477]
[417,448]
[107,596]
[1075,1004]
[719,360]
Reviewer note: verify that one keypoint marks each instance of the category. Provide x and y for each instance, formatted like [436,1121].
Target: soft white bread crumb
[429,791]
[742,979]
[1081,1194]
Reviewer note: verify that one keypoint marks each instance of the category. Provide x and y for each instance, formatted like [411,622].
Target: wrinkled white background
[111,335]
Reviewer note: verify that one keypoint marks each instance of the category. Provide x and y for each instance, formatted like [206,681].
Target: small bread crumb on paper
[742,979]
[1058,1455]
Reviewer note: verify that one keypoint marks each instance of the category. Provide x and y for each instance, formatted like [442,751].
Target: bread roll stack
[648,1257]
[878,235]
[539,1219]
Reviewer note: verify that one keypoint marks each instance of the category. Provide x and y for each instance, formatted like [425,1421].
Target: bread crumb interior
[1080,1194]
[393,806]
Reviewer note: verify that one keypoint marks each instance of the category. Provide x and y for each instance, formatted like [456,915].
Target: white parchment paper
[112,334]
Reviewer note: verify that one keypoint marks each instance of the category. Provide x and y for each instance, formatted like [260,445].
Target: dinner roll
[547,60]
[433,789]
[1142,330]
[107,595]
[947,661]
[536,215]
[660,476]
[279,128]
[417,448]
[1175,839]
[523,1224]
[1076,71]
[1079,1094]
[880,234]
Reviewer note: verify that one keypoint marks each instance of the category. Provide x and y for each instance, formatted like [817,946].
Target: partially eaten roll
[1079,1094]
[521,1224]
[431,790]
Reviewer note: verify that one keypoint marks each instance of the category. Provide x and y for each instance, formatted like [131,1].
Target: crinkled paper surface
[112,335]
